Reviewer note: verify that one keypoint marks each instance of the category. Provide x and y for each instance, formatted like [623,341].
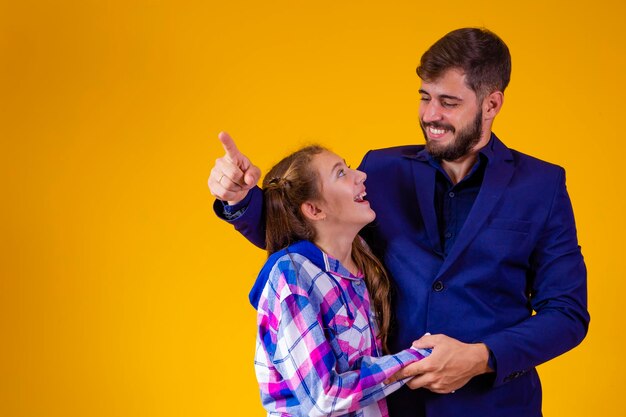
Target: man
[479,239]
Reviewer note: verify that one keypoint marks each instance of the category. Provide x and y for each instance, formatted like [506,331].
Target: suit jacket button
[438,286]
[513,375]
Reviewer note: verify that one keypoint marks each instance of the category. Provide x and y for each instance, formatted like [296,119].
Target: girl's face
[343,191]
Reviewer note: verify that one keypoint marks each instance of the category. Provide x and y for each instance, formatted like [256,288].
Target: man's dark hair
[478,52]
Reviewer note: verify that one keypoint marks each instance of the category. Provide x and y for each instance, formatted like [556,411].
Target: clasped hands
[449,367]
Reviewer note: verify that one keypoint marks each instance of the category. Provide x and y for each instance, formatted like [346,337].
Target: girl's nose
[360,176]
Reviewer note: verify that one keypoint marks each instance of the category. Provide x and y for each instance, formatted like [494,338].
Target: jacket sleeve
[248,216]
[298,350]
[558,296]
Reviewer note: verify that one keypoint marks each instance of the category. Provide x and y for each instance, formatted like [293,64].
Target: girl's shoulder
[293,268]
[289,270]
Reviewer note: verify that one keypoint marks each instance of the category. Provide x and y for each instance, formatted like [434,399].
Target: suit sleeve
[248,218]
[558,296]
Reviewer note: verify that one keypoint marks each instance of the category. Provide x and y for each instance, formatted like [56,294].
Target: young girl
[322,297]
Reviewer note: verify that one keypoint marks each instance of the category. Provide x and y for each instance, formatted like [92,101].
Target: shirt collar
[321,259]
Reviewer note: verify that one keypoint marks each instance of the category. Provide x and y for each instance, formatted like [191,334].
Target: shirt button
[451,194]
[438,286]
[448,235]
[357,282]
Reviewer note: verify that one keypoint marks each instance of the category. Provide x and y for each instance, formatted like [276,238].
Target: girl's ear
[312,211]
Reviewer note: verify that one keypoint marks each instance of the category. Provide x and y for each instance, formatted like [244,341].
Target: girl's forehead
[328,157]
[326,161]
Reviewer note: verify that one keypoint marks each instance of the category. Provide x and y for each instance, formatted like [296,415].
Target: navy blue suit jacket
[514,279]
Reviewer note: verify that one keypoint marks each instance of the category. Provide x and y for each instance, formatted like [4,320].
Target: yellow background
[122,295]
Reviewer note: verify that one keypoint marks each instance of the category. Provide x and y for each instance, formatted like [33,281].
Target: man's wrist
[235,202]
[234,211]
[483,359]
[491,362]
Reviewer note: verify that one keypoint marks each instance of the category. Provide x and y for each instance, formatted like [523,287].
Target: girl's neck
[340,248]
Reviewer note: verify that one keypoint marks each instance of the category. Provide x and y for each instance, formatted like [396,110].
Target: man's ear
[492,105]
[312,211]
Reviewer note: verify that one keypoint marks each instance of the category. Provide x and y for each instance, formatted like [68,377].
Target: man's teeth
[360,197]
[436,131]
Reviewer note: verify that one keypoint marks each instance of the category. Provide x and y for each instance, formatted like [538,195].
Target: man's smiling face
[450,116]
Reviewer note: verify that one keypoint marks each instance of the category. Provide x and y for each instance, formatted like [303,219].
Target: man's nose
[431,112]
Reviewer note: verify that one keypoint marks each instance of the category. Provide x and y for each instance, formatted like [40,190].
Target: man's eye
[448,104]
[425,98]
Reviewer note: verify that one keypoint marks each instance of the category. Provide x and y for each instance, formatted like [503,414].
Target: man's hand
[233,175]
[450,366]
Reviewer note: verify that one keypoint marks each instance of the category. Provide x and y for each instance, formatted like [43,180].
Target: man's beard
[463,141]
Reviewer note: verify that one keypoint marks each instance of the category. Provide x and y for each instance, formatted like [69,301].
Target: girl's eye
[341,172]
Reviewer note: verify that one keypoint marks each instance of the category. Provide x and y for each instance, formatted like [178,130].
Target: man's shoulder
[395,151]
[534,164]
[384,156]
[502,152]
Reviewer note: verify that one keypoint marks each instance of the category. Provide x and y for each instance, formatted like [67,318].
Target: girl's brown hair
[286,187]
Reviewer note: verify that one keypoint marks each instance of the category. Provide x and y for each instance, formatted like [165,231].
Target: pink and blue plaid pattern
[317,354]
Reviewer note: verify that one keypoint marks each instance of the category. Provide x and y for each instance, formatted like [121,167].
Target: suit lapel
[498,173]
[424,178]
